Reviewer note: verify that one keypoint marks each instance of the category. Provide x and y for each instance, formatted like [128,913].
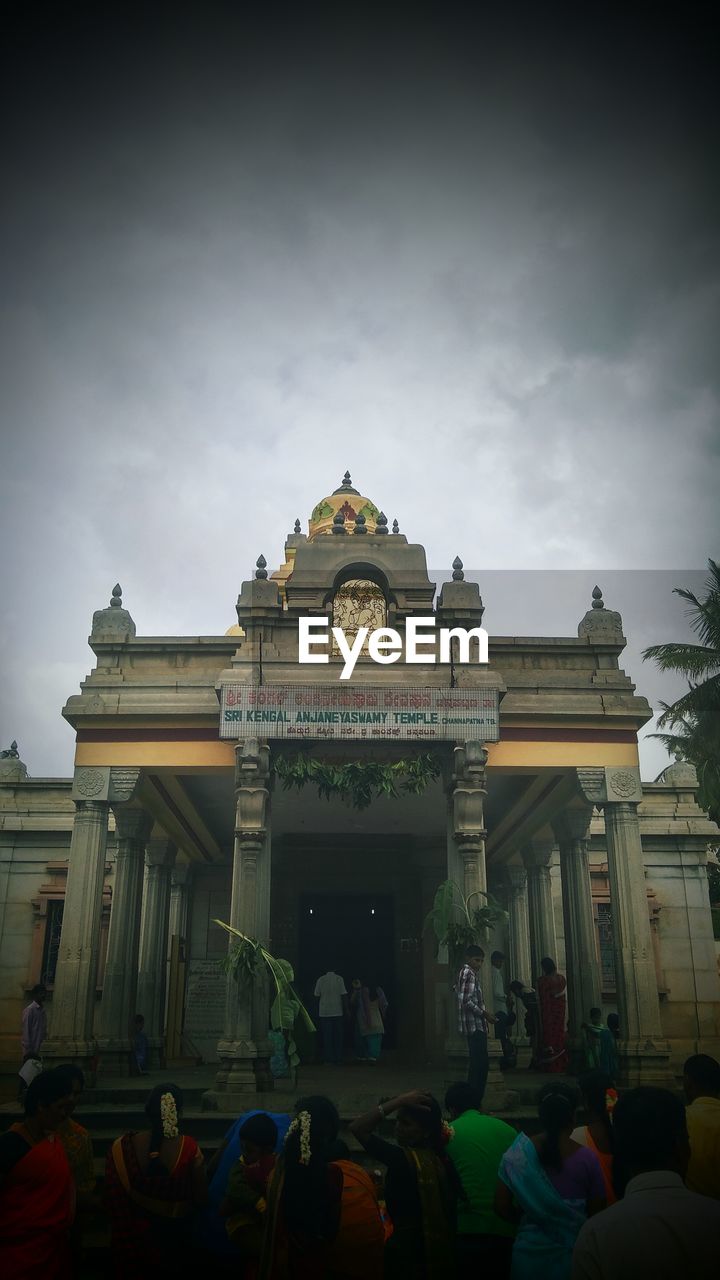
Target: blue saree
[549,1226]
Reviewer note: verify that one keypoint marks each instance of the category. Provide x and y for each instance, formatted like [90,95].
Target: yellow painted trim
[560,755]
[158,755]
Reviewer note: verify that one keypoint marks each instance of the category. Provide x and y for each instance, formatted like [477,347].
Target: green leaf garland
[357,782]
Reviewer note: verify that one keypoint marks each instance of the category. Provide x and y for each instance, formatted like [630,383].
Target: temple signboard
[361,713]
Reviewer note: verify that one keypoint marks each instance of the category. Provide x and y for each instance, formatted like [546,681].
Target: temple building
[178,816]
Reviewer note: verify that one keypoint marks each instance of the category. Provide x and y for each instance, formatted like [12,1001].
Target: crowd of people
[634,1189]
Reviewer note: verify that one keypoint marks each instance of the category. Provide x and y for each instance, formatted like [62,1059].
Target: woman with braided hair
[323,1216]
[550,1184]
[154,1180]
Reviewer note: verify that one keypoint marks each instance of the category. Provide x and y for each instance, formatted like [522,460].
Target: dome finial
[381,526]
[360,523]
[338,524]
[396,527]
[597,600]
[298,526]
[261,568]
[458,575]
[116,597]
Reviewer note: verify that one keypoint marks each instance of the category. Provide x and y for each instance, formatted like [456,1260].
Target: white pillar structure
[243,1051]
[644,1053]
[537,857]
[572,829]
[177,919]
[520,962]
[132,829]
[152,962]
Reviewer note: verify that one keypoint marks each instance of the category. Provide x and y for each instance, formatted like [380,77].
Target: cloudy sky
[472,257]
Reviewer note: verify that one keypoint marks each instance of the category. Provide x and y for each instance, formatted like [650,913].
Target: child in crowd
[600,1046]
[244,1204]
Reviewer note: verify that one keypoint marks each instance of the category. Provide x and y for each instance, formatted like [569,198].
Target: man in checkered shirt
[473,1018]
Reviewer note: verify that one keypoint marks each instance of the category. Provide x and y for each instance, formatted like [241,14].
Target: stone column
[467,791]
[537,857]
[179,883]
[72,1036]
[243,1051]
[152,960]
[518,925]
[572,829]
[643,1051]
[132,828]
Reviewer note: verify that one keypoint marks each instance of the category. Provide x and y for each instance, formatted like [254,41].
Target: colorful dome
[350,503]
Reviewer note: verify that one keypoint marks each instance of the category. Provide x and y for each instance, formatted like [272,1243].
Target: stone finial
[261,568]
[347,479]
[11,752]
[381,525]
[601,624]
[298,526]
[114,622]
[396,527]
[458,575]
[338,524]
[360,524]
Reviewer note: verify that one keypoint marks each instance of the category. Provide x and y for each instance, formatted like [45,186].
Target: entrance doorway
[353,934]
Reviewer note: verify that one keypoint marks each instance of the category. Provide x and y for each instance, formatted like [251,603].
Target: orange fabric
[606,1164]
[358,1247]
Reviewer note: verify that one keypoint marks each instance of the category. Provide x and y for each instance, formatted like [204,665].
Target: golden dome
[350,503]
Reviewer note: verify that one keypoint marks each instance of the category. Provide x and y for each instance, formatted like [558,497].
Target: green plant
[242,962]
[357,782]
[457,924]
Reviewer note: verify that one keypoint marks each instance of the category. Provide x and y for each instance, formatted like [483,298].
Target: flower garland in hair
[447,1132]
[169,1116]
[610,1100]
[301,1124]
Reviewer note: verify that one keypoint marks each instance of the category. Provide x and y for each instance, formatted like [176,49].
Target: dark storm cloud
[472,256]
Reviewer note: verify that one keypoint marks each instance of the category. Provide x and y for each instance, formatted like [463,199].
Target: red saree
[37,1207]
[553,1041]
[150,1214]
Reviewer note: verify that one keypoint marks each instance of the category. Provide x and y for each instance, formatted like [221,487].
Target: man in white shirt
[330,991]
[659,1229]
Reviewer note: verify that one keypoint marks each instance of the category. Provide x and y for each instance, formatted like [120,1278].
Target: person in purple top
[34,1024]
[550,1185]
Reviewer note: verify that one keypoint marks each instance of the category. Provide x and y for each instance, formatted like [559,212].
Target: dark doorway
[352,934]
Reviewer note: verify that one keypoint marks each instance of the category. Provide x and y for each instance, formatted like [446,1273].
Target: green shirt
[476,1149]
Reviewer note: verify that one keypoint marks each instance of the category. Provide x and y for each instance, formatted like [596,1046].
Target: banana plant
[458,921]
[242,962]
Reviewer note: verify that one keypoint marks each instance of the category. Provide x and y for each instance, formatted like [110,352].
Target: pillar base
[116,1056]
[81,1053]
[644,1062]
[237,1073]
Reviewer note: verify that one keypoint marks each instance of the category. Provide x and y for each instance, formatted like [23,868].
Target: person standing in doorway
[331,993]
[473,1019]
[34,1024]
[503,1018]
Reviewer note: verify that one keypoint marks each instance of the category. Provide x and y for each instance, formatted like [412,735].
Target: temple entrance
[353,934]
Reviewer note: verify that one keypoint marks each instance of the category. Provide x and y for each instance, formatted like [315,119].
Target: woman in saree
[37,1193]
[76,1140]
[551,988]
[421,1185]
[551,1184]
[599,1098]
[323,1217]
[154,1180]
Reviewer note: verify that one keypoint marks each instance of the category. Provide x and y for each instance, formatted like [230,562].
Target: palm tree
[694,719]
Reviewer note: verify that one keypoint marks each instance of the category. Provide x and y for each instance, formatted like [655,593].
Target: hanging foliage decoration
[357,782]
[242,962]
[458,924]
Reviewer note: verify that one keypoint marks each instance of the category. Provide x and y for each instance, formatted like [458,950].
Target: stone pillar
[132,828]
[244,1051]
[179,883]
[72,1036]
[643,1051]
[468,791]
[582,967]
[518,925]
[537,857]
[152,959]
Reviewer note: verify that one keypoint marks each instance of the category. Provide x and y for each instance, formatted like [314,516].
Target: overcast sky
[472,257]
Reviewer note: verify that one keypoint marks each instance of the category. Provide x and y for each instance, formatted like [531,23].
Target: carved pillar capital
[161,851]
[573,824]
[132,824]
[516,879]
[538,853]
